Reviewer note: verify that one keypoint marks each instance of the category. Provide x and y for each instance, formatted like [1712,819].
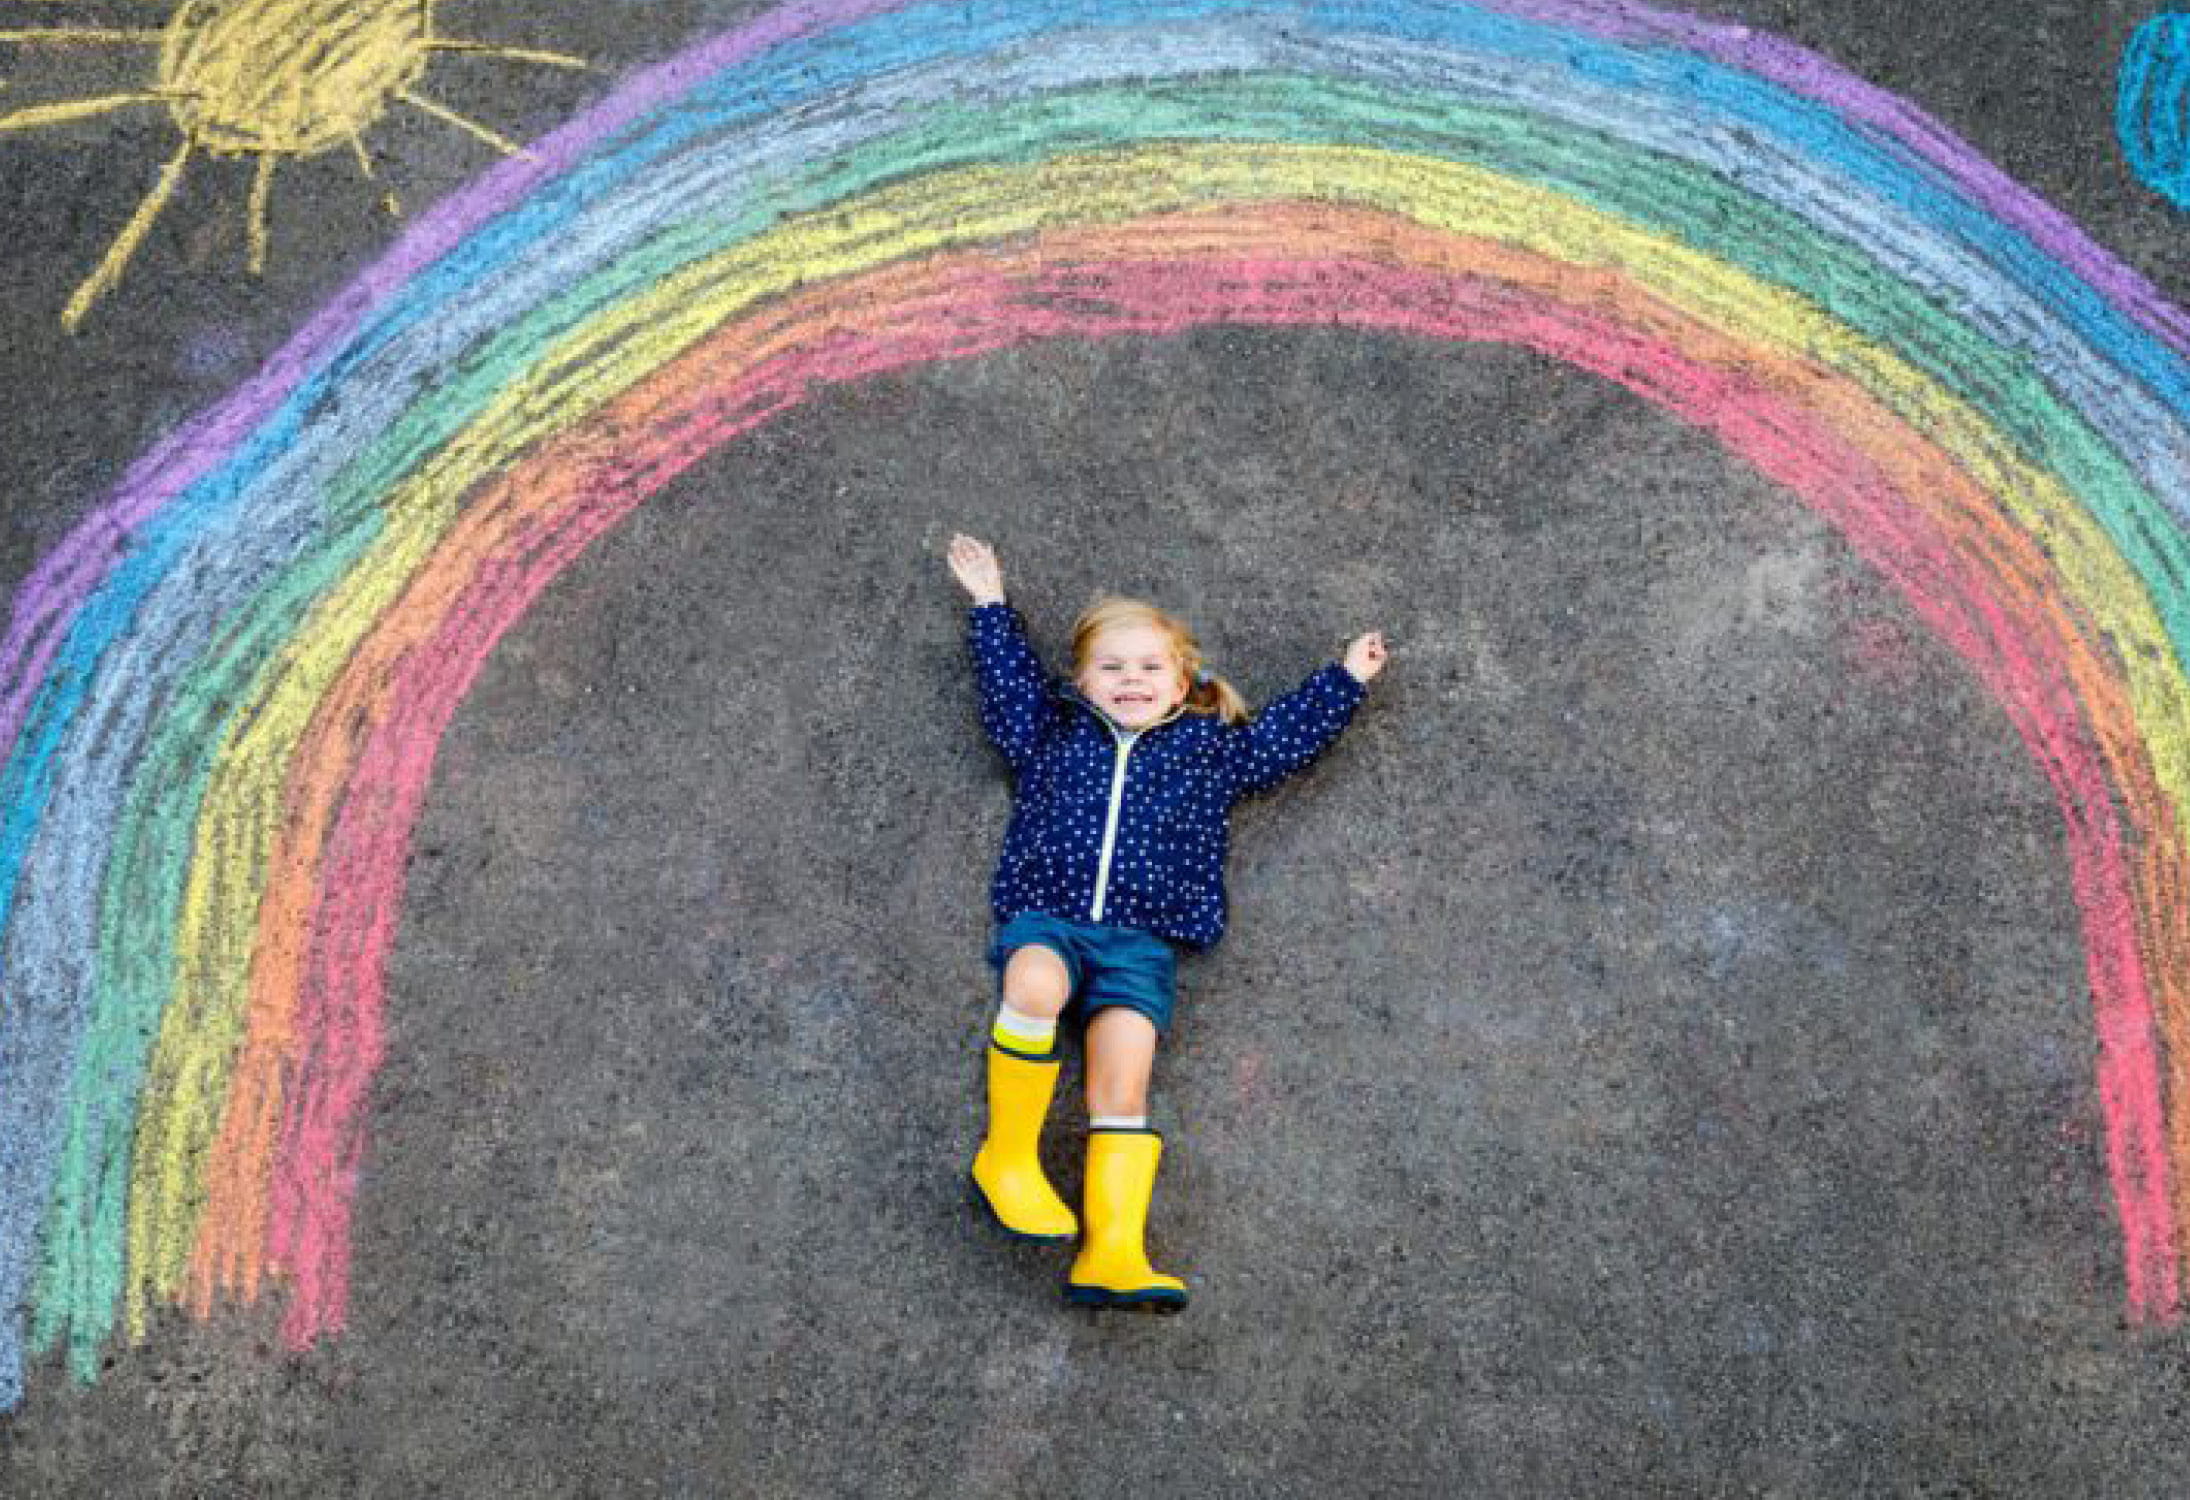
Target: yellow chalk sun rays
[268,79]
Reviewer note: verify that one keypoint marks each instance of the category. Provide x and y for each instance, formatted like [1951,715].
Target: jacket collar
[1073,693]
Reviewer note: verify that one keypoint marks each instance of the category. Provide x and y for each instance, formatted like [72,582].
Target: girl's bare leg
[1121,1052]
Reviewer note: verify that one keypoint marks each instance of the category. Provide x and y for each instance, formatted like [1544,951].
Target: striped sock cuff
[1017,1031]
[1117,1122]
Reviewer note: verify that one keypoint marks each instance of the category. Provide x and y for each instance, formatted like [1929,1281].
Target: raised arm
[1292,731]
[1016,700]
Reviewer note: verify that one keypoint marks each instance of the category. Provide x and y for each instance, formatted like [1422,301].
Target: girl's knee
[1036,981]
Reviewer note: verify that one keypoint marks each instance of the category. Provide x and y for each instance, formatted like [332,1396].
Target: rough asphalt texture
[1652,1054]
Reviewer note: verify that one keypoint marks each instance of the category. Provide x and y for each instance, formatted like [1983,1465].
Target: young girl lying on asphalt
[1113,863]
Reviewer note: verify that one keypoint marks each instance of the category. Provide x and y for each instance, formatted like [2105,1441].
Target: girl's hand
[976,568]
[1365,657]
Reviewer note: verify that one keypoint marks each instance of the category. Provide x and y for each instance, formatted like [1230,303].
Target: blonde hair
[1205,692]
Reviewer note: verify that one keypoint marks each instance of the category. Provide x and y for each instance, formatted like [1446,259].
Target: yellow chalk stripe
[202,1028]
[910,218]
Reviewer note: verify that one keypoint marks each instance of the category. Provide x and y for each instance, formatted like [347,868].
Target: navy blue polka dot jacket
[1123,828]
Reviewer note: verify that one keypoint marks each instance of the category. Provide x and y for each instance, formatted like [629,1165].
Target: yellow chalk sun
[268,79]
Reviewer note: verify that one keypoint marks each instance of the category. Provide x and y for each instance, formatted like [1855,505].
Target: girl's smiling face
[1133,674]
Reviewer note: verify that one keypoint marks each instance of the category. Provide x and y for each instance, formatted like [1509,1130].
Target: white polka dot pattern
[1166,872]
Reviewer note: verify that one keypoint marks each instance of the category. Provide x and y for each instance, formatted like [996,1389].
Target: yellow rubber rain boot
[1008,1167]
[1112,1267]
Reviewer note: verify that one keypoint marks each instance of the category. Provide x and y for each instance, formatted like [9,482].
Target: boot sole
[1154,1299]
[981,1197]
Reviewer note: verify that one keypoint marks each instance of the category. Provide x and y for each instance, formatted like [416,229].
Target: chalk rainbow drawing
[223,693]
[268,79]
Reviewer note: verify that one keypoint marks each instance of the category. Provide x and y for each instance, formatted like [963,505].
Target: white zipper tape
[1110,821]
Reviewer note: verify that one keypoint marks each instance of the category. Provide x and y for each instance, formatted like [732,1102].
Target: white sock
[1024,1033]
[1117,1122]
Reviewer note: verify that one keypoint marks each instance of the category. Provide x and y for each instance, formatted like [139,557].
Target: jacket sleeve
[1292,731]
[1017,702]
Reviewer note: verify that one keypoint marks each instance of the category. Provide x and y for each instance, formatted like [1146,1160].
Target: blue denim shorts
[1109,965]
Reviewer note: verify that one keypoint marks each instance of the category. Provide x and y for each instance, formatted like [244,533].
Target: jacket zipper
[1124,745]
[1124,740]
